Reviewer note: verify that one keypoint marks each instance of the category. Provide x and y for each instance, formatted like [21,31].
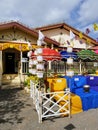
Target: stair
[10,79]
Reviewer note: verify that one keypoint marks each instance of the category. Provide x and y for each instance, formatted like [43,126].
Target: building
[61,33]
[69,36]
[14,39]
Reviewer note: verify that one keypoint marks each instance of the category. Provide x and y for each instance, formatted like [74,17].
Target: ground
[17,112]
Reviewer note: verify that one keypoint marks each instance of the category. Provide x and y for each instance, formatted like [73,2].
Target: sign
[24,59]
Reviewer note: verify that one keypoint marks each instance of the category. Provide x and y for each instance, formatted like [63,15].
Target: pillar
[1,68]
[80,67]
[49,65]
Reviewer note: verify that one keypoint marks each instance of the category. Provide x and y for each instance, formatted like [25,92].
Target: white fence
[46,104]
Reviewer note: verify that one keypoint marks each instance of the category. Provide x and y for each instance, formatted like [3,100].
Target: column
[21,75]
[49,65]
[80,67]
[1,68]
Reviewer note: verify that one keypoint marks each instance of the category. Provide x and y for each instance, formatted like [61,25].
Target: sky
[80,14]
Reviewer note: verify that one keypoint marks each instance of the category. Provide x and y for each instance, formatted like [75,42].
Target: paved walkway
[18,113]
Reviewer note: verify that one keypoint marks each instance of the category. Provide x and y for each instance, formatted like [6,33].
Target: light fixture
[70,73]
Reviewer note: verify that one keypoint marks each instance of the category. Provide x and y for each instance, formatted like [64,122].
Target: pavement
[17,112]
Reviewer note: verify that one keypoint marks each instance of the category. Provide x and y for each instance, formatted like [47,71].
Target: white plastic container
[70,73]
[39,58]
[40,74]
[35,52]
[29,54]
[39,43]
[39,51]
[31,62]
[69,60]
[69,49]
[39,66]
[35,62]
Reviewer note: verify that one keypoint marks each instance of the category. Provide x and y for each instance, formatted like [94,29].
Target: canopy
[96,51]
[50,54]
[87,54]
[65,55]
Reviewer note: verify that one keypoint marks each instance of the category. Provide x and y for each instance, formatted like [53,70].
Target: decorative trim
[17,46]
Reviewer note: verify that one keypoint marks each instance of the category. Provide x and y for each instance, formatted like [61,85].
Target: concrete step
[10,79]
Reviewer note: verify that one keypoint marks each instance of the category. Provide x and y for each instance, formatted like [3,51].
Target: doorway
[9,63]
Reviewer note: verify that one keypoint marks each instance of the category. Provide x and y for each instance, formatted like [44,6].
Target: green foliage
[29,74]
[92,71]
[27,80]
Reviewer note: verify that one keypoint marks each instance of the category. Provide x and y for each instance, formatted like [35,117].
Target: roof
[68,28]
[34,33]
[94,48]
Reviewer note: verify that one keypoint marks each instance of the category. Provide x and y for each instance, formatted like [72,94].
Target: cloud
[62,10]
[88,12]
[37,12]
[77,13]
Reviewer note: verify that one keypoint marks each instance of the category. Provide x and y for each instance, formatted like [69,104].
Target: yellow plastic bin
[76,103]
[58,84]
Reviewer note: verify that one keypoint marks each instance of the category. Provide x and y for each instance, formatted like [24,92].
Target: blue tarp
[92,81]
[65,55]
[75,82]
[89,99]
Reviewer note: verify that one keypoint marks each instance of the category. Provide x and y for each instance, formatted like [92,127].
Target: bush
[92,71]
[27,80]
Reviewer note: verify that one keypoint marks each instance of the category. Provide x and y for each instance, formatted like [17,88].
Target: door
[9,63]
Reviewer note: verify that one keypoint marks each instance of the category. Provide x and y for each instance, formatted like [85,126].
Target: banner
[80,35]
[95,26]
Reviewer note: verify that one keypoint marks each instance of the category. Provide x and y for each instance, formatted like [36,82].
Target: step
[10,78]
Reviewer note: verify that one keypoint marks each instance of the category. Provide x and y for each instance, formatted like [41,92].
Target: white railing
[50,104]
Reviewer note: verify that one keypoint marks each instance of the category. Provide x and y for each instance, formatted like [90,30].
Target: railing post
[69,97]
[40,101]
[32,89]
[40,106]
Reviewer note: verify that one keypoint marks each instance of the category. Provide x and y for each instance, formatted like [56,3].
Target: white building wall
[63,36]
[75,43]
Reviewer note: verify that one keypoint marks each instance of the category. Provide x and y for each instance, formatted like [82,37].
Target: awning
[87,54]
[65,55]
